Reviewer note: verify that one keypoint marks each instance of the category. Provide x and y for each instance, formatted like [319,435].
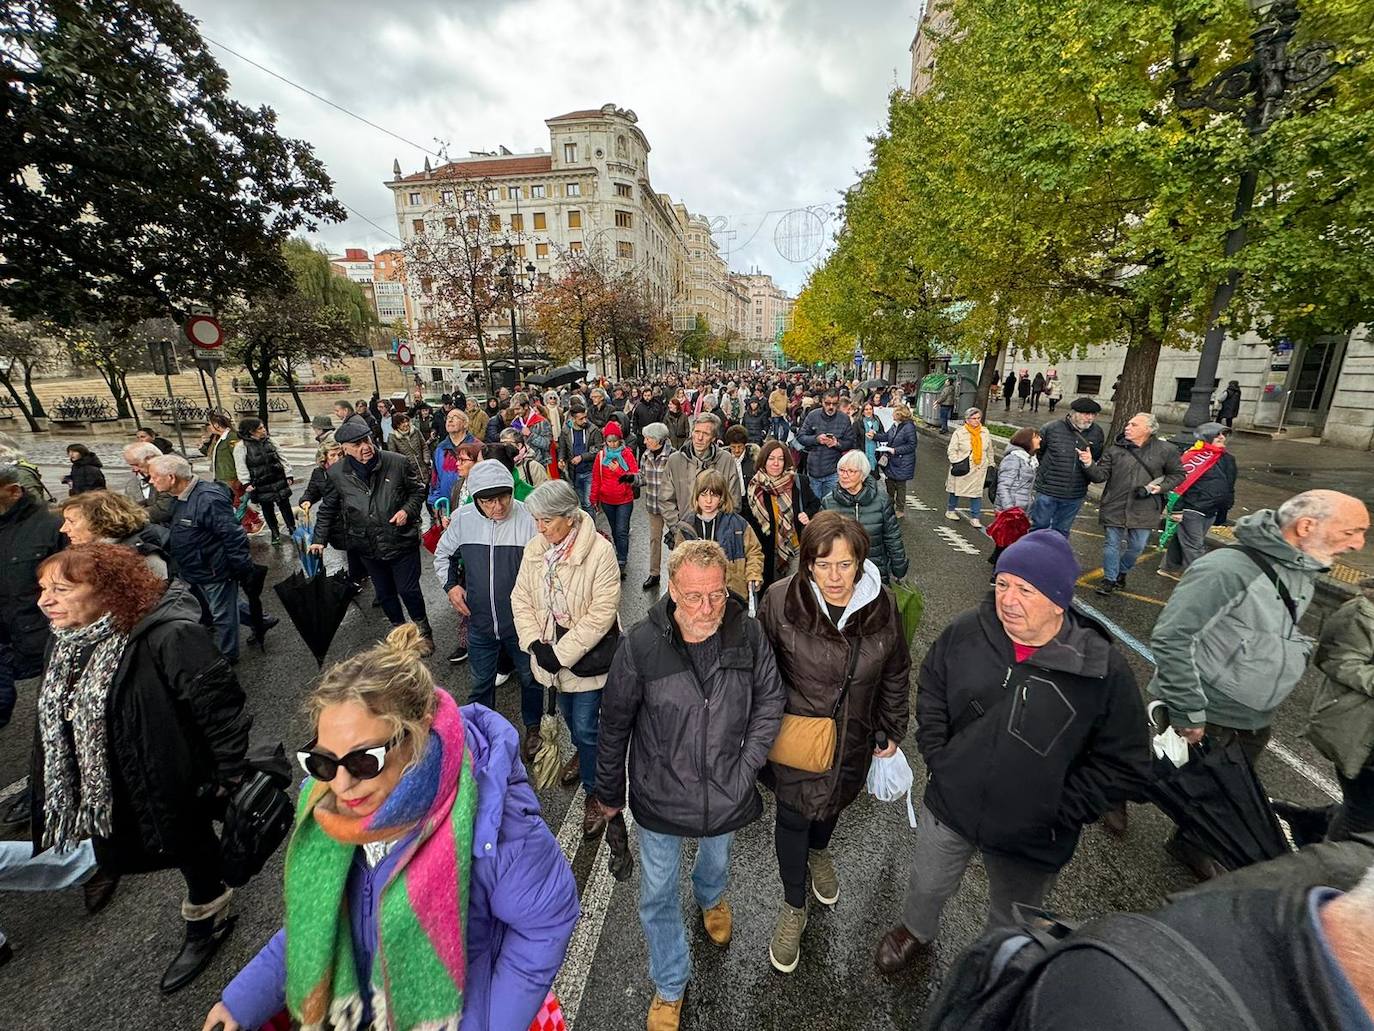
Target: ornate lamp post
[521,285]
[1261,90]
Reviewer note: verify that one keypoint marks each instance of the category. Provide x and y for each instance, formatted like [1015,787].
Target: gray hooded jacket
[1226,650]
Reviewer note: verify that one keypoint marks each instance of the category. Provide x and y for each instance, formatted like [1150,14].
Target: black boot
[206,928]
[1107,587]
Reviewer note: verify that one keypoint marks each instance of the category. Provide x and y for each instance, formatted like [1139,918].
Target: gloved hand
[627,478]
[546,657]
[621,862]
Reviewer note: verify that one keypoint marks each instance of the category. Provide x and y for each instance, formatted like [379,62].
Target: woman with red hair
[140,729]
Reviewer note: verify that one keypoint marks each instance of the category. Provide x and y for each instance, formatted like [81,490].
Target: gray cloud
[750,106]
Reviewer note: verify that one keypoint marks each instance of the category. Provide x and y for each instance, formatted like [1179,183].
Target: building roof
[594,112]
[488,168]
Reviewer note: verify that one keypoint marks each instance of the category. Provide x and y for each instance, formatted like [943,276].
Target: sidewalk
[1270,472]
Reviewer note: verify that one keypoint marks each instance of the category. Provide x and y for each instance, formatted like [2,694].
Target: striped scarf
[420,966]
[77,800]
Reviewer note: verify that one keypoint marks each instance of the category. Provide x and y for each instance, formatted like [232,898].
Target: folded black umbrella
[316,605]
[1219,805]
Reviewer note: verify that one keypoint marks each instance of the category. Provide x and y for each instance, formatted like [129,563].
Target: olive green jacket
[1341,722]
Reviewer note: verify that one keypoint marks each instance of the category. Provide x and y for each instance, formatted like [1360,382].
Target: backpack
[989,984]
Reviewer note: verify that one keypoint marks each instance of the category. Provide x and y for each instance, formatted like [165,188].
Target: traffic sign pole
[167,359]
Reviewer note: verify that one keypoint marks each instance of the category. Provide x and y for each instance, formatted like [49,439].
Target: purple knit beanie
[1044,560]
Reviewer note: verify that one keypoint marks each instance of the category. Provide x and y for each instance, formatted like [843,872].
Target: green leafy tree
[133,186]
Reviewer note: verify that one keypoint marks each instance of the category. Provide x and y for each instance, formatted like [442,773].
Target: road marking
[570,831]
[955,540]
[1088,533]
[571,980]
[1297,762]
[912,501]
[13,789]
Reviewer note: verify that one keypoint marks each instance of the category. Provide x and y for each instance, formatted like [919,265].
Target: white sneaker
[501,678]
[975,522]
[953,517]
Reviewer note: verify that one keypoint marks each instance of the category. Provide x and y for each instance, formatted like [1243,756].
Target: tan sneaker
[784,952]
[718,922]
[825,882]
[664,1016]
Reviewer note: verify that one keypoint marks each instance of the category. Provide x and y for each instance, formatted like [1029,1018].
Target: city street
[74,971]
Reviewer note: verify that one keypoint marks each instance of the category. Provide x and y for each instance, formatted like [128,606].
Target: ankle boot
[207,926]
[426,637]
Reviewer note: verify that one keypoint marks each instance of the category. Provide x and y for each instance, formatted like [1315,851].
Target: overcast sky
[753,108]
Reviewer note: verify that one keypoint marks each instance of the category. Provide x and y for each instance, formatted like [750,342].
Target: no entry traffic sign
[404,355]
[204,332]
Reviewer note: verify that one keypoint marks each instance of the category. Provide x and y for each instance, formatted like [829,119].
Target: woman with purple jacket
[412,806]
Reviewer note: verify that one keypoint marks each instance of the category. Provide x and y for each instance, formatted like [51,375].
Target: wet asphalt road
[71,970]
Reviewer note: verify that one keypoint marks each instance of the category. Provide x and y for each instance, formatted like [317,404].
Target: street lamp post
[523,286]
[1260,90]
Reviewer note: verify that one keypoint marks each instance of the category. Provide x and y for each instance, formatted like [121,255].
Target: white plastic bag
[1168,743]
[889,779]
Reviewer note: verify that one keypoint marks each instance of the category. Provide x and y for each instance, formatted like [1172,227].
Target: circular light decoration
[799,235]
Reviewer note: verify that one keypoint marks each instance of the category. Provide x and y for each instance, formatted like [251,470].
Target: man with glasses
[577,447]
[826,433]
[478,561]
[695,699]
[683,467]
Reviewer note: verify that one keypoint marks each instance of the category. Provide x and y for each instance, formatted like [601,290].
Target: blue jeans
[619,518]
[660,909]
[821,486]
[975,505]
[1051,513]
[21,870]
[582,712]
[945,412]
[222,599]
[483,651]
[1115,561]
[583,486]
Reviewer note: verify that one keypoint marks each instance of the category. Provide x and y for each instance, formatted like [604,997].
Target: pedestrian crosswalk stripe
[955,540]
[913,502]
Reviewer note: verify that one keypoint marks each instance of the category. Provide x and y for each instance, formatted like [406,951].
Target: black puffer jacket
[1061,474]
[695,748]
[756,421]
[29,533]
[86,474]
[813,658]
[1065,745]
[315,491]
[364,507]
[266,472]
[175,730]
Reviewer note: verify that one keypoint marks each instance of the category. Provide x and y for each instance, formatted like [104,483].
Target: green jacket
[1225,649]
[221,455]
[1341,722]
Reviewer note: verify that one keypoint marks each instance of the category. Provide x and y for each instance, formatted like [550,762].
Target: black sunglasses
[362,764]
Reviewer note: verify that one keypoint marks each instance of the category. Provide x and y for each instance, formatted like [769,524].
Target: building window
[493,193]
[624,249]
[450,225]
[570,153]
[473,223]
[414,200]
[537,192]
[517,223]
[418,225]
[446,196]
[475,253]
[436,375]
[512,193]
[575,247]
[426,284]
[623,220]
[519,250]
[574,189]
[1090,385]
[494,223]
[574,220]
[541,250]
[469,195]
[540,222]
[1183,388]
[623,190]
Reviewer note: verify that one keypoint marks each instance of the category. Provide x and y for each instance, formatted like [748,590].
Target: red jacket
[606,485]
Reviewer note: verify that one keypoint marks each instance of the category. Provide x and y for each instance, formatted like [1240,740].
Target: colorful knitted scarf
[770,496]
[420,965]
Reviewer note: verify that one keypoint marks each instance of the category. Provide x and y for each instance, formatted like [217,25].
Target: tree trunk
[986,375]
[295,394]
[110,375]
[19,401]
[1136,392]
[128,395]
[482,354]
[35,402]
[261,384]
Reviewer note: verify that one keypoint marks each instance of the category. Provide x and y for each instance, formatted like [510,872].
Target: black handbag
[258,817]
[961,467]
[597,661]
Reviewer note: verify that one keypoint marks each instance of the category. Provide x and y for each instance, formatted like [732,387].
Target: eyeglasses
[695,600]
[362,763]
[708,493]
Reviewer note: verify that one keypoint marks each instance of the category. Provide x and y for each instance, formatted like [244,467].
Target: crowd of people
[422,886]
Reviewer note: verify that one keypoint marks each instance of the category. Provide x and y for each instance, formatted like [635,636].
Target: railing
[169,410]
[249,405]
[83,408]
